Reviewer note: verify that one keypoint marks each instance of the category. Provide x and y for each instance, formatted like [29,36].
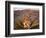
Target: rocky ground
[26,19]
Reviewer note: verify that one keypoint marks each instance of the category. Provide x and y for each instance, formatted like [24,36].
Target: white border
[12,6]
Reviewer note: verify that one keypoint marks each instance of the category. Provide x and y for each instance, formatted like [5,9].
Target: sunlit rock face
[26,22]
[26,19]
